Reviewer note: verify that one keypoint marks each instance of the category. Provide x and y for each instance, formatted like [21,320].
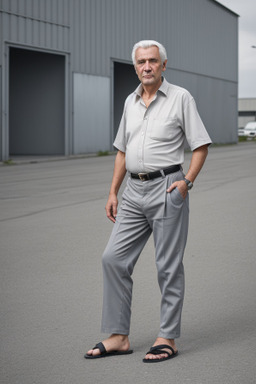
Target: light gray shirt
[153,138]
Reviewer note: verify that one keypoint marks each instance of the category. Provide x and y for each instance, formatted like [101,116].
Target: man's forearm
[119,173]
[197,161]
[118,176]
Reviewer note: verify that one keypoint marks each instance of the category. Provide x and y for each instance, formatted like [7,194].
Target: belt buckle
[143,176]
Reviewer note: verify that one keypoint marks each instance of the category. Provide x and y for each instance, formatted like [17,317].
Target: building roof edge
[228,9]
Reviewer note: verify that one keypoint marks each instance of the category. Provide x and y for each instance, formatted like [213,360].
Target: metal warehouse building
[65,68]
[246,111]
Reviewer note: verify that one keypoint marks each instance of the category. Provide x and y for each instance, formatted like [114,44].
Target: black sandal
[104,353]
[158,350]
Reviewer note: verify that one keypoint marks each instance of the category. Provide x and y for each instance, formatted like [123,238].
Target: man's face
[148,65]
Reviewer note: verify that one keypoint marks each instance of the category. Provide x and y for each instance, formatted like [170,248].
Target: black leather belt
[153,175]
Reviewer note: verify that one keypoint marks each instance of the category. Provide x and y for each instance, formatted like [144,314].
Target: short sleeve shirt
[153,138]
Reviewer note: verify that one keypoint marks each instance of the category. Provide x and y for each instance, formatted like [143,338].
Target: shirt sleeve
[194,128]
[120,140]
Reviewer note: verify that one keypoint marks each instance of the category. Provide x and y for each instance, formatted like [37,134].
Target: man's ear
[164,65]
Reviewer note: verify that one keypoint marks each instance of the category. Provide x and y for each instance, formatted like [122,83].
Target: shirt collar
[163,88]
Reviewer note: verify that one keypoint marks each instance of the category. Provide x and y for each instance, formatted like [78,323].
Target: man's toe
[93,352]
[96,352]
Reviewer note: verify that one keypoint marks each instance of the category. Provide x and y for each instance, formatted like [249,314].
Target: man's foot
[113,343]
[161,341]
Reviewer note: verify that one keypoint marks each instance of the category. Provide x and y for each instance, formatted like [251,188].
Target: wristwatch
[189,183]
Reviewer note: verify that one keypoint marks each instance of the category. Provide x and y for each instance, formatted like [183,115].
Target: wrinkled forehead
[147,53]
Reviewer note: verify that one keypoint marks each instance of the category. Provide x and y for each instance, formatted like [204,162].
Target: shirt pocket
[163,129]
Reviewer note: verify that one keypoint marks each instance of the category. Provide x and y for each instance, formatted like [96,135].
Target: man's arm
[197,161]
[118,176]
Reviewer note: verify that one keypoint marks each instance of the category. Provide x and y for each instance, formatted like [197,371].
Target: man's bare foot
[113,343]
[160,341]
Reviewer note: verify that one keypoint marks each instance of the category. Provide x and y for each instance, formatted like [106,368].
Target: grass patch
[103,153]
[9,162]
[242,138]
[245,138]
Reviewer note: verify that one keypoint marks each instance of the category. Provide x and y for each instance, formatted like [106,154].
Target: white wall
[91,114]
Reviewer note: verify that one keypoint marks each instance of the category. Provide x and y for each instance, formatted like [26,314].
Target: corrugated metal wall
[40,23]
[201,38]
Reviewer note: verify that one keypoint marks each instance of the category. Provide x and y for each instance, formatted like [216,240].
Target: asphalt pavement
[53,230]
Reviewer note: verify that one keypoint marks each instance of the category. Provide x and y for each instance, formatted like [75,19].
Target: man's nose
[147,66]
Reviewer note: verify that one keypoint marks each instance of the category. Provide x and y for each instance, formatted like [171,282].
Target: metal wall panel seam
[15,44]
[97,34]
[1,36]
[205,75]
[34,18]
[104,37]
[88,38]
[82,37]
[76,36]
[13,27]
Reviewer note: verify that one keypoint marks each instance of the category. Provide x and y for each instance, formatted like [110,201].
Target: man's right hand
[118,176]
[111,207]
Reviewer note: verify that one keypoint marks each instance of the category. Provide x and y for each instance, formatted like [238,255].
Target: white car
[240,131]
[250,129]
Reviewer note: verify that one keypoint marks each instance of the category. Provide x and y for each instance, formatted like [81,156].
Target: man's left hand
[182,187]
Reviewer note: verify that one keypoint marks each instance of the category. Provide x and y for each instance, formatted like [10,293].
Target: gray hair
[148,44]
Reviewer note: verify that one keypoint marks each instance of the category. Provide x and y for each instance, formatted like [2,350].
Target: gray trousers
[146,207]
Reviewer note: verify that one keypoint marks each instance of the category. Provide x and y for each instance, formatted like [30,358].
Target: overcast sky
[246,9]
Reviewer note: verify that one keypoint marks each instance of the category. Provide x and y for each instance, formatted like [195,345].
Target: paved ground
[53,230]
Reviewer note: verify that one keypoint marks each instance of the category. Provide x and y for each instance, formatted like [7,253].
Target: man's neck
[150,90]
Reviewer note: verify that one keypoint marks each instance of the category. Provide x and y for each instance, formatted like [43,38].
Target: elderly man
[157,118]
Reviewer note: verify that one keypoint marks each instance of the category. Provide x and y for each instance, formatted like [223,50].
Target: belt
[153,175]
